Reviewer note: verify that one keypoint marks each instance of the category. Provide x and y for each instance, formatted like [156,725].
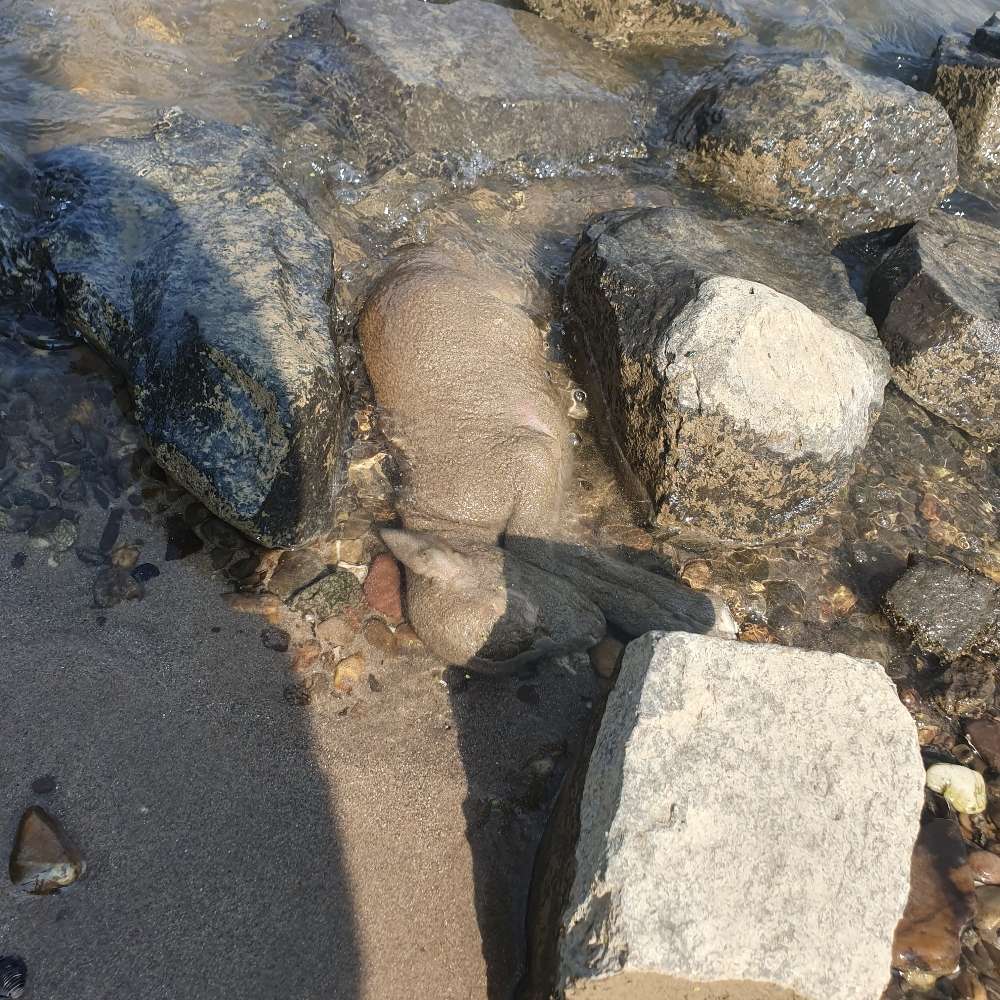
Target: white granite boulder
[747,819]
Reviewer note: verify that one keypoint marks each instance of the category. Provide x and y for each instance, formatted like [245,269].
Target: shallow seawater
[73,470]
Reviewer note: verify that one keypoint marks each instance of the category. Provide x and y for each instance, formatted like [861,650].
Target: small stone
[145,572]
[336,631]
[275,638]
[697,573]
[757,632]
[114,585]
[383,588]
[606,656]
[254,604]
[181,539]
[327,595]
[44,785]
[985,867]
[297,694]
[90,556]
[125,556]
[940,906]
[984,735]
[407,641]
[378,635]
[296,569]
[306,656]
[13,977]
[374,684]
[963,788]
[348,673]
[988,912]
[42,861]
[950,611]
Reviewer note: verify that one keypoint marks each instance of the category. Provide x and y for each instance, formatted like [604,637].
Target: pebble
[114,585]
[697,573]
[13,977]
[44,785]
[327,595]
[379,636]
[336,631]
[985,867]
[348,673]
[181,539]
[296,569]
[606,656]
[988,912]
[984,735]
[306,656]
[145,572]
[275,638]
[254,604]
[407,641]
[383,588]
[42,861]
[125,556]
[112,528]
[963,788]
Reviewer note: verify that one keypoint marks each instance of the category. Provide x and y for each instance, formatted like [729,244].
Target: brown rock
[42,860]
[941,904]
[984,735]
[985,867]
[378,635]
[407,641]
[988,912]
[606,656]
[350,672]
[384,588]
[697,573]
[295,570]
[755,632]
[306,656]
[125,556]
[254,604]
[336,631]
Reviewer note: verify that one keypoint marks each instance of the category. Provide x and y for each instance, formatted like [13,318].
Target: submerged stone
[741,373]
[927,942]
[796,775]
[967,83]
[936,299]
[42,860]
[327,595]
[13,977]
[804,137]
[963,788]
[363,85]
[670,23]
[950,611]
[181,257]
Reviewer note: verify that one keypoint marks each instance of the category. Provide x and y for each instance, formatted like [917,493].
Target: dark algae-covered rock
[741,373]
[967,82]
[669,23]
[802,137]
[181,257]
[936,300]
[384,80]
[950,611]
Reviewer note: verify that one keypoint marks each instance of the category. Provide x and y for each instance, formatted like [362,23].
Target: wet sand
[240,846]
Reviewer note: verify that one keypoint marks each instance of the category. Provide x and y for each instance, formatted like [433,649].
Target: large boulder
[743,828]
[182,259]
[363,85]
[803,137]
[741,374]
[966,80]
[670,23]
[936,300]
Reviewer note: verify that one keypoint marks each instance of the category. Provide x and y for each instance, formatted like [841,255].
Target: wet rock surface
[621,23]
[181,257]
[740,372]
[42,861]
[950,611]
[966,80]
[935,300]
[446,88]
[709,749]
[799,137]
[941,904]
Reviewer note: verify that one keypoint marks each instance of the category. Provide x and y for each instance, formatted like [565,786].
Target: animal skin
[483,441]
